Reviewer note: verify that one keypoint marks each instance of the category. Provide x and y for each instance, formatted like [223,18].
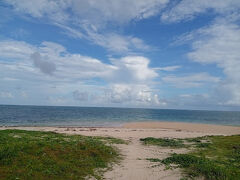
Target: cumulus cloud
[133,94]
[128,78]
[132,69]
[120,93]
[50,55]
[44,66]
[53,59]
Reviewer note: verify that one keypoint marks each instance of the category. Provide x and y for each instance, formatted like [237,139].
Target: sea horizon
[38,115]
[130,107]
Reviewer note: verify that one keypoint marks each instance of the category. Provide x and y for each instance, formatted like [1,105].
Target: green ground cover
[212,157]
[164,142]
[48,155]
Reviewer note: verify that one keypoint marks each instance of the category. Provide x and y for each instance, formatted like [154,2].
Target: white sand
[134,165]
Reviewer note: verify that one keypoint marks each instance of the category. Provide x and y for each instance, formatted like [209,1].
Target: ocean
[14,115]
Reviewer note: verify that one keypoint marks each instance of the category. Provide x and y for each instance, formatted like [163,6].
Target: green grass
[218,160]
[164,142]
[48,155]
[199,142]
[112,140]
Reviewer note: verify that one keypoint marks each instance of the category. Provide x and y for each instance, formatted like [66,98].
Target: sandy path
[134,165]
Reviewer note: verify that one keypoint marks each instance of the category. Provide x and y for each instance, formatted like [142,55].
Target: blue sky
[182,54]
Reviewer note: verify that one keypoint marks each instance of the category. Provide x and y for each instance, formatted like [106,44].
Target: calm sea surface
[91,116]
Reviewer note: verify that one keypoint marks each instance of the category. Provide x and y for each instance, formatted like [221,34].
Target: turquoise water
[94,116]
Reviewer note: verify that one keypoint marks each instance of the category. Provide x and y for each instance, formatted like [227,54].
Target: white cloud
[120,11]
[168,68]
[112,41]
[118,43]
[39,8]
[133,69]
[53,59]
[15,49]
[188,9]
[128,78]
[92,11]
[88,19]
[190,81]
[51,48]
[219,44]
[120,93]
[66,66]
[70,31]
[116,94]
[133,95]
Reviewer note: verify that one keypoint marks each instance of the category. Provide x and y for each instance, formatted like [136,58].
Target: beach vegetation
[218,160]
[112,140]
[164,142]
[49,155]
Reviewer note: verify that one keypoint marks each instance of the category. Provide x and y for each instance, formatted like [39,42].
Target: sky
[167,54]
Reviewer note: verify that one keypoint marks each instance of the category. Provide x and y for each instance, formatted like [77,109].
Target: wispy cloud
[191,80]
[76,16]
[167,68]
[189,9]
[221,47]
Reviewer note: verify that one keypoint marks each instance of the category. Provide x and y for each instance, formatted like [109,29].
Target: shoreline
[178,126]
[193,127]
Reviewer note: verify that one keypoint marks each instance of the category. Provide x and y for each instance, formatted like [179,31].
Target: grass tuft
[164,142]
[112,140]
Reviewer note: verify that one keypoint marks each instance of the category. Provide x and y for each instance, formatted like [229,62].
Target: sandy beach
[134,164]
